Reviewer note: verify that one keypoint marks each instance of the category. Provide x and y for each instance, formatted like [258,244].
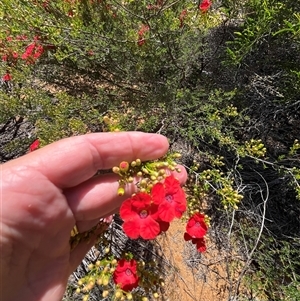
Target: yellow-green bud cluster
[255,148]
[112,123]
[229,197]
[149,274]
[100,274]
[295,147]
[196,197]
[146,174]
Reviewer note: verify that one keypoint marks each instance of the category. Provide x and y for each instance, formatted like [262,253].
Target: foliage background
[222,86]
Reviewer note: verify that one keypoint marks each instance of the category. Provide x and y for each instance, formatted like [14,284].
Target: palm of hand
[38,258]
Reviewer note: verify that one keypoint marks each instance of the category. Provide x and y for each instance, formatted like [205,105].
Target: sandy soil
[194,276]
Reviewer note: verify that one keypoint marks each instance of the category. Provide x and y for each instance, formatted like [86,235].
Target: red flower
[11,56]
[182,17]
[35,145]
[125,274]
[28,51]
[7,77]
[33,51]
[141,32]
[139,214]
[199,242]
[170,199]
[141,41]
[21,37]
[205,5]
[39,50]
[196,226]
[151,6]
[71,13]
[143,29]
[45,3]
[163,226]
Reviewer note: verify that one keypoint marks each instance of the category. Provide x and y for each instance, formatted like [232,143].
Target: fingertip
[180,173]
[164,140]
[158,141]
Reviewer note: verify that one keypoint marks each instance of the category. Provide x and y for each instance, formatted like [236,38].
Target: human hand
[46,193]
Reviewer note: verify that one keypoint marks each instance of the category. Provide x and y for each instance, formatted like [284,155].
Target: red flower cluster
[205,5]
[7,77]
[34,145]
[147,215]
[32,51]
[125,274]
[10,55]
[156,6]
[196,228]
[141,33]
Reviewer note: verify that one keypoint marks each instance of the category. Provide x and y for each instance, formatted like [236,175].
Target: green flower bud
[105,281]
[98,263]
[118,294]
[85,298]
[177,155]
[130,180]
[116,169]
[153,178]
[99,281]
[90,286]
[112,270]
[106,119]
[144,170]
